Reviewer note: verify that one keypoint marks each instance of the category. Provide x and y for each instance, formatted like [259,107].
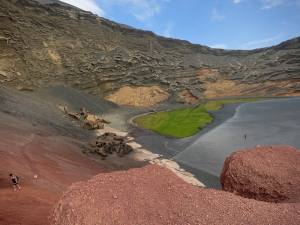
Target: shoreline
[220,117]
[270,122]
[216,114]
[211,125]
[144,156]
[170,147]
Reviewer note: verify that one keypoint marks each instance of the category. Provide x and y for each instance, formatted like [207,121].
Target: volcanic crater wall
[47,43]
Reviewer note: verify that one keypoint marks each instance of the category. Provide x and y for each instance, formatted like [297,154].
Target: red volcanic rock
[155,196]
[269,174]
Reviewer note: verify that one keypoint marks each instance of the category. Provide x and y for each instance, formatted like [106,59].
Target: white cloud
[87,5]
[140,9]
[236,1]
[265,42]
[268,4]
[216,15]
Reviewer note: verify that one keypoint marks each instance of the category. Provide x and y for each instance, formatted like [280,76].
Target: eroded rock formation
[50,43]
[265,173]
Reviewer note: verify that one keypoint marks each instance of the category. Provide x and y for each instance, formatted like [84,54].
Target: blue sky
[230,24]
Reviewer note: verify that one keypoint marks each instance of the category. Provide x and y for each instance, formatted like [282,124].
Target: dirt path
[24,147]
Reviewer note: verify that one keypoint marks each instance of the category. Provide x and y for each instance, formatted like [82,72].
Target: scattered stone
[110,143]
[187,97]
[3,73]
[133,144]
[5,39]
[25,88]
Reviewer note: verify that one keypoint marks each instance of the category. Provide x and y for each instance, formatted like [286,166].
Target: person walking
[15,181]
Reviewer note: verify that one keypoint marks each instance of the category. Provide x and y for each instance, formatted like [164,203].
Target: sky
[228,24]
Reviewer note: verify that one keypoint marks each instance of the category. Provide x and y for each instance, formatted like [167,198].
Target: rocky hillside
[47,43]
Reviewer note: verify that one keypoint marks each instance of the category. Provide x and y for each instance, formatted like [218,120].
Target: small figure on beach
[15,181]
[245,136]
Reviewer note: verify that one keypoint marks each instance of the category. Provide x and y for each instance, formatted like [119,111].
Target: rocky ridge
[48,43]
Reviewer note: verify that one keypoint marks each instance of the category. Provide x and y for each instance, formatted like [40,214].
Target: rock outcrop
[86,119]
[110,143]
[46,42]
[154,195]
[265,173]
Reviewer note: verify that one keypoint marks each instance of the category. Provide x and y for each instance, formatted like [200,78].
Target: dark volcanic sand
[170,147]
[272,122]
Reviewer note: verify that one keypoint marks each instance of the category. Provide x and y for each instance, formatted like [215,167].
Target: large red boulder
[154,195]
[269,174]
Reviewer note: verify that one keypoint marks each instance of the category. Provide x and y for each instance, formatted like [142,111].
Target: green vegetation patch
[177,123]
[184,122]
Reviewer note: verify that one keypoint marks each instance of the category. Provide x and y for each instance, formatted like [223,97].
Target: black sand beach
[265,122]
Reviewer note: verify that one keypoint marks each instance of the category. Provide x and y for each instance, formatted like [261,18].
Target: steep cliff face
[46,43]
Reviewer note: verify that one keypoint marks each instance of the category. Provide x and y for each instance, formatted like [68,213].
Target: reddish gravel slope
[29,151]
[269,173]
[153,195]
